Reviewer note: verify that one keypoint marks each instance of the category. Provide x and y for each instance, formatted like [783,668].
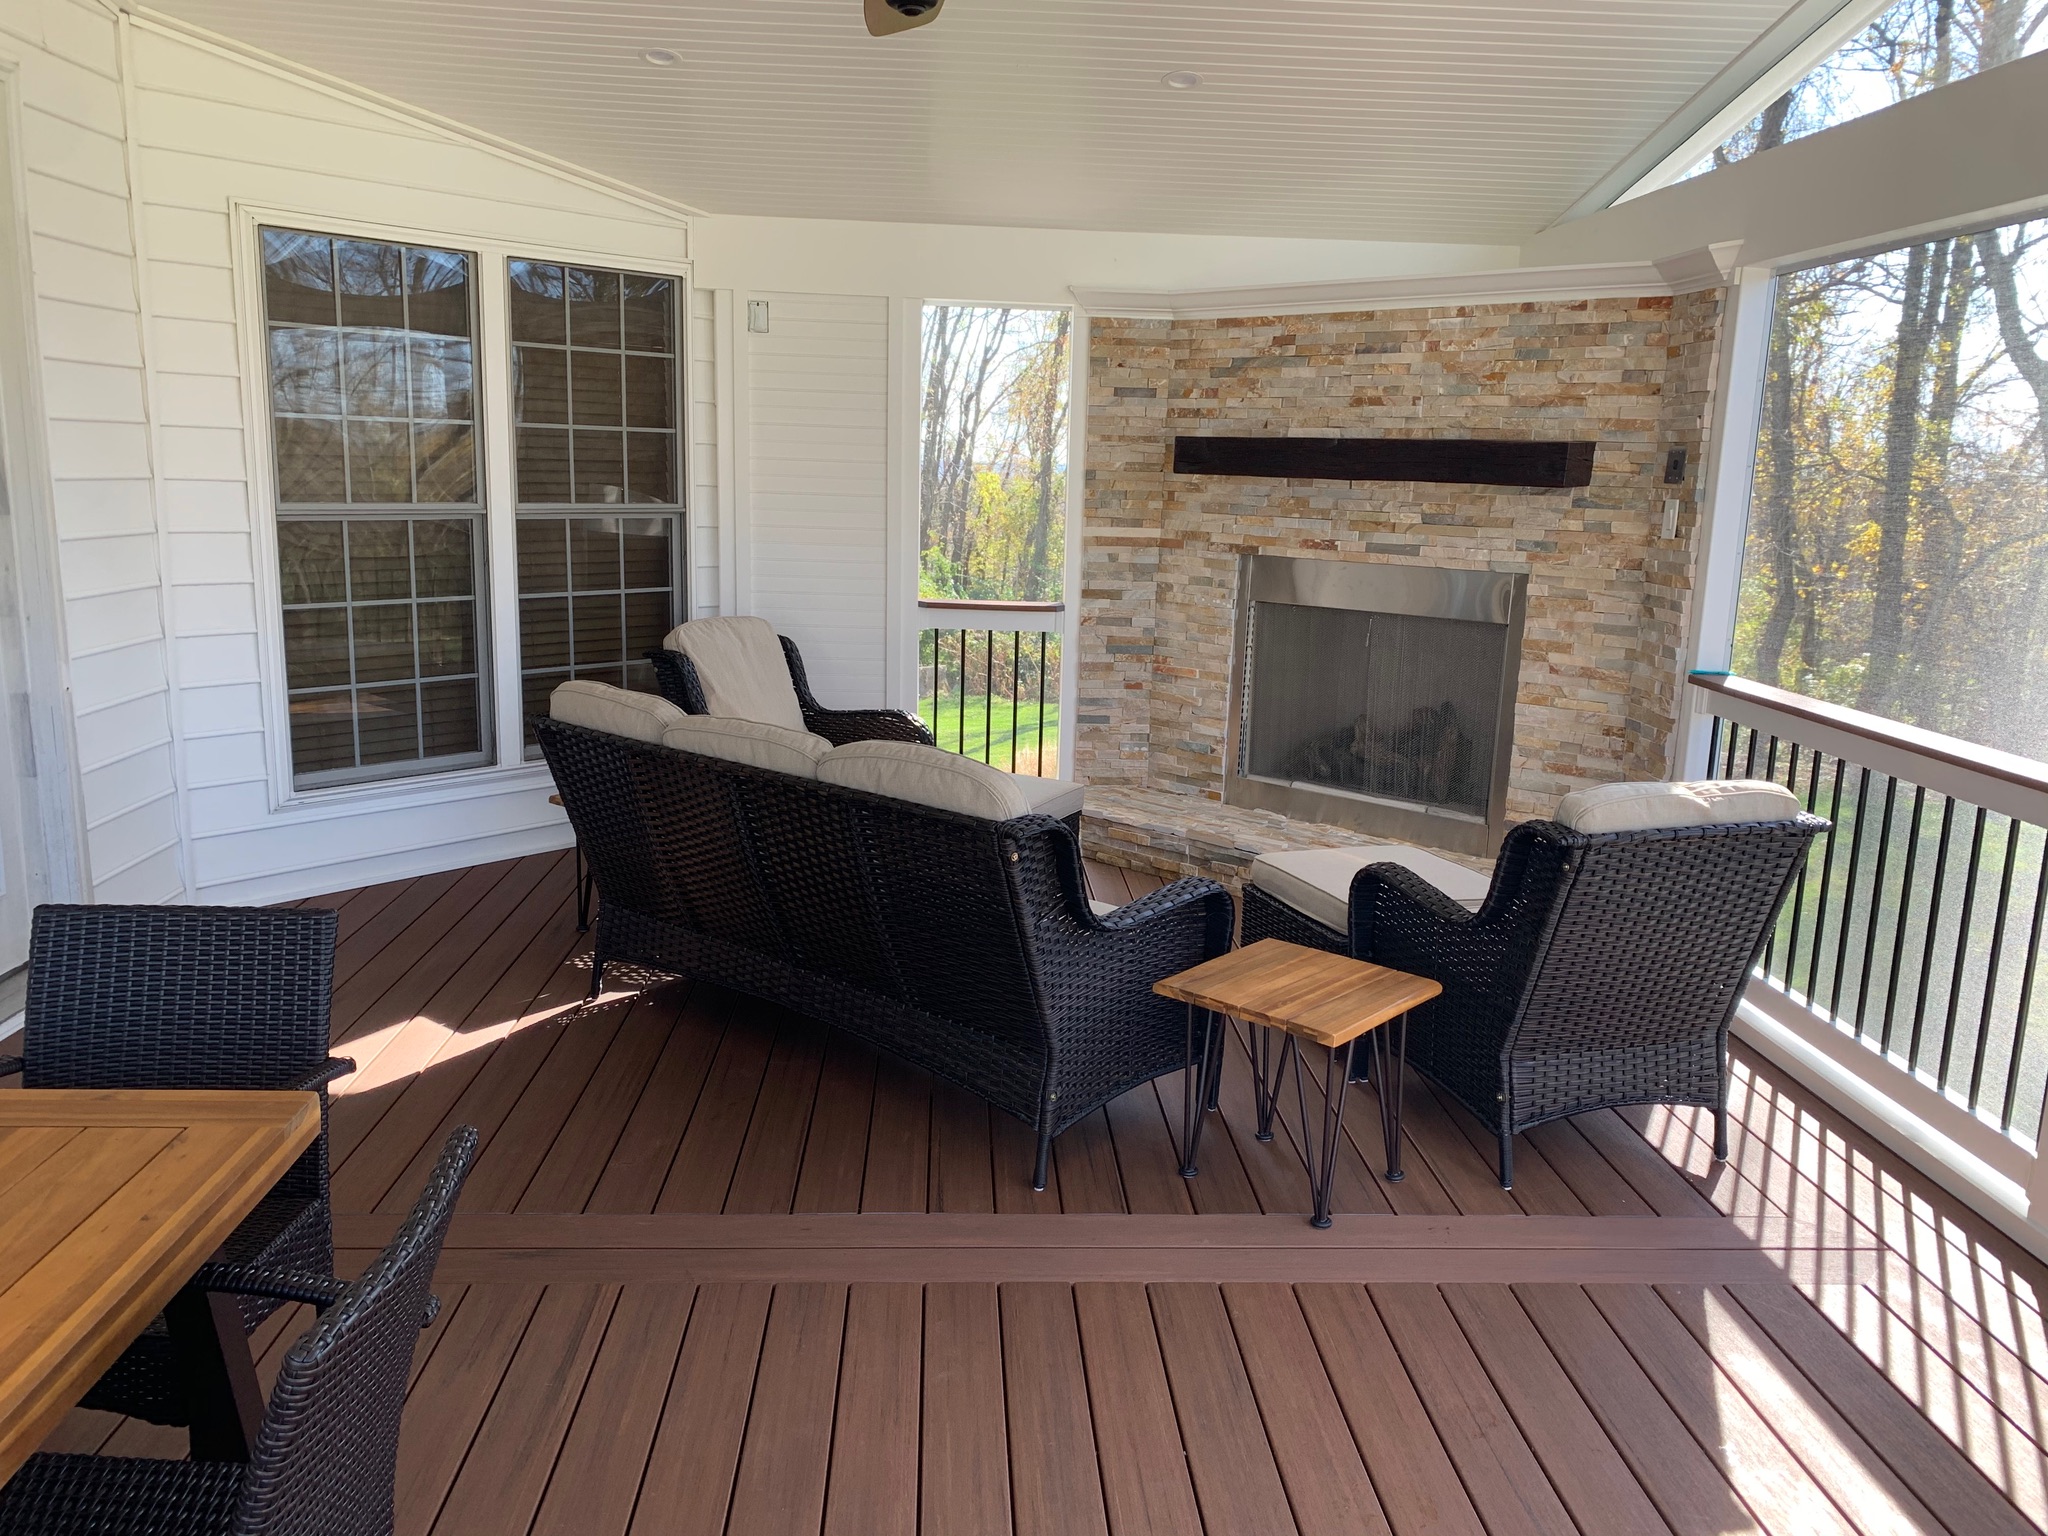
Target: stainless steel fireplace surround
[1379,697]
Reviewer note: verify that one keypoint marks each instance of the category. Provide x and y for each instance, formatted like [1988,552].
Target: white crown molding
[392,107]
[1711,267]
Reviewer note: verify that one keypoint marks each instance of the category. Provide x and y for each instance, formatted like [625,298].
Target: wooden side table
[1288,994]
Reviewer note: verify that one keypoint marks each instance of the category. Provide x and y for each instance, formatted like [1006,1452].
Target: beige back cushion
[749,742]
[1706,803]
[615,711]
[741,668]
[910,770]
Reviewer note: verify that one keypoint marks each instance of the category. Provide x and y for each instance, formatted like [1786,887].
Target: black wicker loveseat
[966,946]
[1602,969]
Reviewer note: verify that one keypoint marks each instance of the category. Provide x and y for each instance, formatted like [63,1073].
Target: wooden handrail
[1004,606]
[2010,767]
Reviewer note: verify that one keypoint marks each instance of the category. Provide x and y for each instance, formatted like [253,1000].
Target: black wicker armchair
[325,1461]
[966,946]
[1603,968]
[676,675]
[191,997]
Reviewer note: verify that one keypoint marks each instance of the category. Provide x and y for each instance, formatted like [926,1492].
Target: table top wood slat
[99,1230]
[1319,996]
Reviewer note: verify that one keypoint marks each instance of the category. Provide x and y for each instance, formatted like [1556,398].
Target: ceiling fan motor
[885,18]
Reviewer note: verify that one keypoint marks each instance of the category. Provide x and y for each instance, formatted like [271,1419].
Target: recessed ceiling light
[662,56]
[1181,80]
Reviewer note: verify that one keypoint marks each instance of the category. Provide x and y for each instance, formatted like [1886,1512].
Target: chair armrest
[317,1291]
[1155,904]
[676,679]
[320,1076]
[9,1065]
[840,726]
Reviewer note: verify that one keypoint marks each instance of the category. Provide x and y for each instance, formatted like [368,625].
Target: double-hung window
[380,525]
[595,395]
[385,522]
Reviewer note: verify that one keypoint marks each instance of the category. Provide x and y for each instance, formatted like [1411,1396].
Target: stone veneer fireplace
[1608,566]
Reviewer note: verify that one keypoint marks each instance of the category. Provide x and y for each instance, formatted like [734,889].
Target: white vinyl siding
[88,336]
[818,491]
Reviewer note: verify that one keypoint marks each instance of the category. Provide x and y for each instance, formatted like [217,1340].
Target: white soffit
[1688,273]
[1407,120]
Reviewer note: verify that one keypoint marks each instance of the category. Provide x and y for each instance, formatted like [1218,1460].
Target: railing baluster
[1891,986]
[1714,742]
[1041,703]
[2026,1003]
[1849,894]
[1827,871]
[1884,841]
[1749,761]
[960,701]
[1790,973]
[1016,657]
[2004,908]
[1933,925]
[1957,967]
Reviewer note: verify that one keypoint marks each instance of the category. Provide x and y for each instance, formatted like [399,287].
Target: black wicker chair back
[676,675]
[964,945]
[1603,969]
[176,997]
[326,1459]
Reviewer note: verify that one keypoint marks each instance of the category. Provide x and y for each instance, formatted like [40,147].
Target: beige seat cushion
[910,770]
[1316,882]
[1642,807]
[750,742]
[741,668]
[1050,797]
[615,711]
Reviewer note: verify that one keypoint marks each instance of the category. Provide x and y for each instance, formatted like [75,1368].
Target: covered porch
[720,1268]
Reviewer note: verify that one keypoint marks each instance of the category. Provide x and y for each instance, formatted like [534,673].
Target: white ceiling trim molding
[404,111]
[1806,35]
[1710,267]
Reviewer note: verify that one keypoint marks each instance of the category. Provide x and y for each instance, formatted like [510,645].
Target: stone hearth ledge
[1171,835]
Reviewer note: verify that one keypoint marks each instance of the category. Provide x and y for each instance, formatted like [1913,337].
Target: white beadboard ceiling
[1442,120]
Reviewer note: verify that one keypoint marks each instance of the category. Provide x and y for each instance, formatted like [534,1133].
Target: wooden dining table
[110,1200]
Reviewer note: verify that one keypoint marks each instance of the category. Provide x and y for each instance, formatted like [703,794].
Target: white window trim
[498,618]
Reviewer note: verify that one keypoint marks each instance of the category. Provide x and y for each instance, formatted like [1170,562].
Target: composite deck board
[594,1481]
[1055,1482]
[872,1487]
[1145,1485]
[1838,1347]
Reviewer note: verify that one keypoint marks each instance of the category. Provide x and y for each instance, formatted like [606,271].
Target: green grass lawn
[989,740]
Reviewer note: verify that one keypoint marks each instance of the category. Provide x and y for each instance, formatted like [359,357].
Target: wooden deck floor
[720,1269]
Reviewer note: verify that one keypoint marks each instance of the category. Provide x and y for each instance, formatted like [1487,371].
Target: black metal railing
[993,695]
[1916,923]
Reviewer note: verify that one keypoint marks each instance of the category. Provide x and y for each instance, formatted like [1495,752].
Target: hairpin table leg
[1270,1051]
[1389,1059]
[1320,1153]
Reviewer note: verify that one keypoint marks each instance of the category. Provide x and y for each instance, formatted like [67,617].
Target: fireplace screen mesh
[1383,704]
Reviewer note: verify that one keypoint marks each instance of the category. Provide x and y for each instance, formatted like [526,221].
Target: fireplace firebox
[1378,697]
